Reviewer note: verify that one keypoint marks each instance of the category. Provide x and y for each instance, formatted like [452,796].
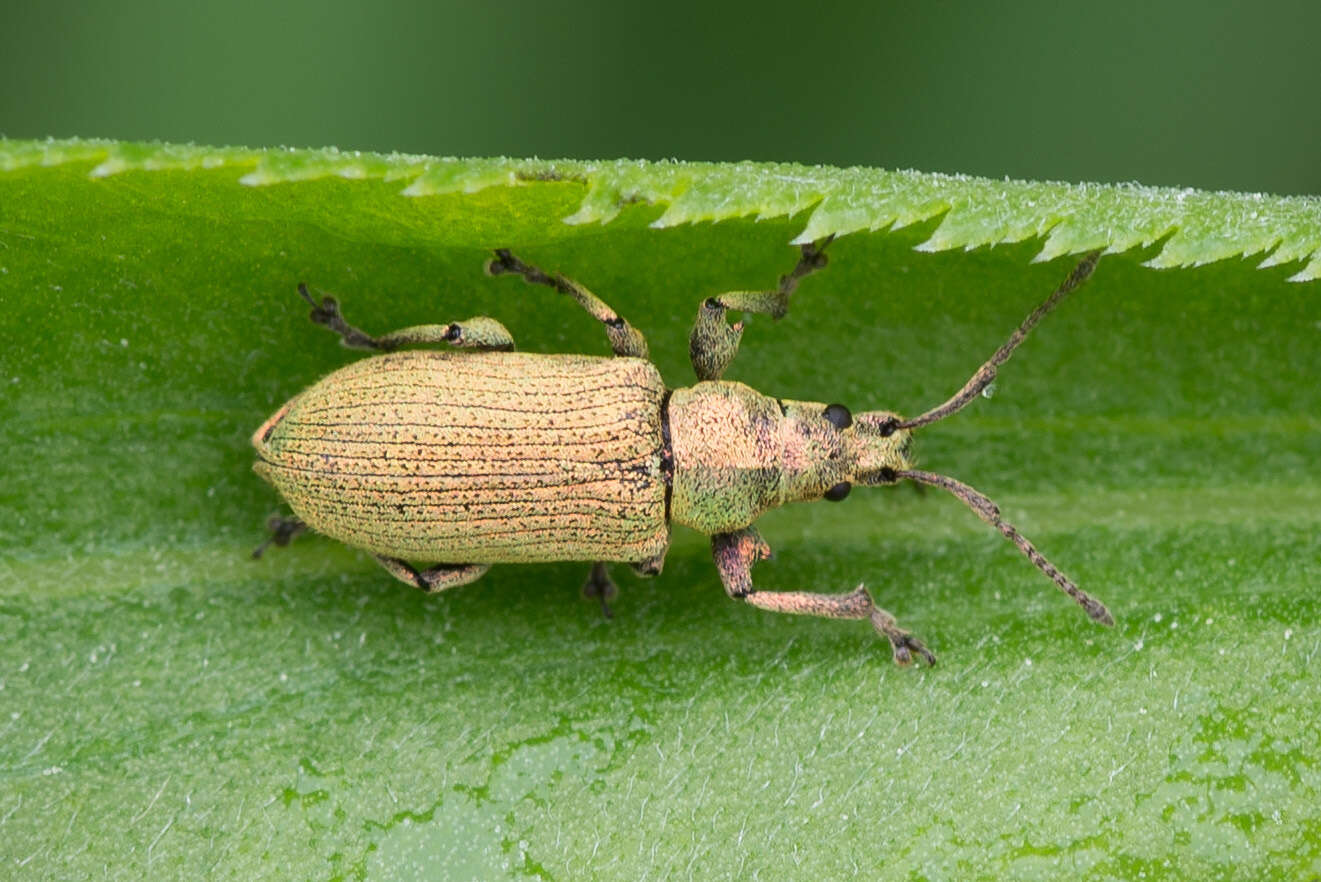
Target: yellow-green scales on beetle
[463,459]
[450,457]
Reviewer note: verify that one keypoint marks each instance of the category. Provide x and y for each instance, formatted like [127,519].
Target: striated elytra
[442,463]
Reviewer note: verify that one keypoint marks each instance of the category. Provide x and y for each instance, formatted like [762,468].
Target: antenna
[986,373]
[990,512]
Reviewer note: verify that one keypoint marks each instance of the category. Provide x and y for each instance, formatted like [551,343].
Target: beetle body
[504,457]
[456,460]
[498,457]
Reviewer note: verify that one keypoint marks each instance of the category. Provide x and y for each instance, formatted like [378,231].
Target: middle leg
[599,585]
[434,579]
[625,339]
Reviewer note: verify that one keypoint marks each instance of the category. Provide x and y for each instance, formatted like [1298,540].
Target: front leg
[713,342]
[736,552]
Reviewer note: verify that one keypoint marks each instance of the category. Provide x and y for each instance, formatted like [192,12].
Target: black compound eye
[839,491]
[838,416]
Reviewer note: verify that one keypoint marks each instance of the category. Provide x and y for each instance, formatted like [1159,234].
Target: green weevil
[458,460]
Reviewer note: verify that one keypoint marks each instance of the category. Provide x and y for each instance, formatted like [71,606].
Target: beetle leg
[624,338]
[713,342]
[327,313]
[478,332]
[650,567]
[736,552]
[601,586]
[434,579]
[283,530]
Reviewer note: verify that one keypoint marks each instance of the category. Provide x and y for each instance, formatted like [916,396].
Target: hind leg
[478,332]
[283,530]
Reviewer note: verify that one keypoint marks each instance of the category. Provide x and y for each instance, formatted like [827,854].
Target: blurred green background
[1211,95]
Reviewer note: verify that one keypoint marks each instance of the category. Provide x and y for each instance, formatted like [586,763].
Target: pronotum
[463,459]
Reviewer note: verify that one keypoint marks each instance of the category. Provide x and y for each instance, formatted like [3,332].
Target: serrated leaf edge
[1197,227]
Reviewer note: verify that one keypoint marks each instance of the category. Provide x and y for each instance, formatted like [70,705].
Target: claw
[905,646]
[324,313]
[902,643]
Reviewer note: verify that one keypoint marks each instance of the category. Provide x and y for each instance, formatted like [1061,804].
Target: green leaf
[170,708]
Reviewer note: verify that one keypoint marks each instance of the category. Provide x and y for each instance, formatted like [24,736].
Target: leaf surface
[171,706]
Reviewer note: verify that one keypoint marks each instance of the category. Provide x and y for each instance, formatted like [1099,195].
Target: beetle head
[880,448]
[825,450]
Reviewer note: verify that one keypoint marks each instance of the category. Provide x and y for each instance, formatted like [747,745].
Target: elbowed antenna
[990,512]
[986,373]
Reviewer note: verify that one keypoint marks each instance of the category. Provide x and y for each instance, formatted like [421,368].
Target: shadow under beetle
[466,459]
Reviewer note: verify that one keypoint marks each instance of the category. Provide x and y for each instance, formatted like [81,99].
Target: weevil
[441,463]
